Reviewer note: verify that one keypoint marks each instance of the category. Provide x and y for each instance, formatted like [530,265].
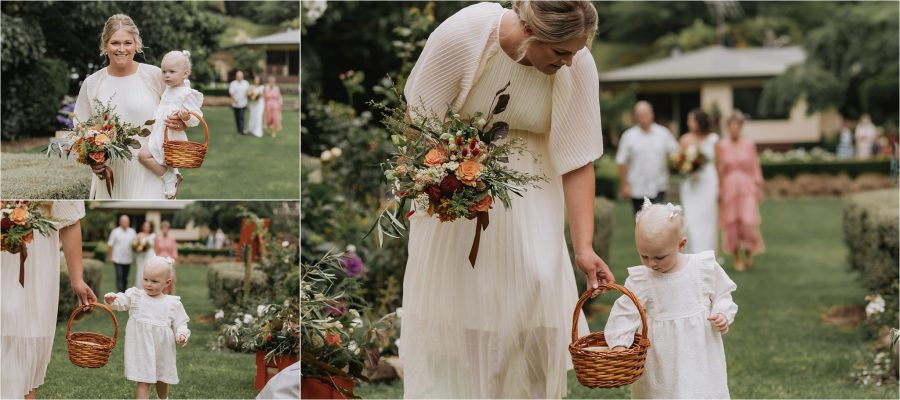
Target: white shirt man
[120,251]
[643,158]
[238,89]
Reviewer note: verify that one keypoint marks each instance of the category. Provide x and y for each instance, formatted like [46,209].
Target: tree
[851,65]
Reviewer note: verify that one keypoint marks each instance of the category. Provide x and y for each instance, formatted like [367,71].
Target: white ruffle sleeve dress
[686,358]
[153,324]
[29,313]
[136,98]
[173,99]
[500,329]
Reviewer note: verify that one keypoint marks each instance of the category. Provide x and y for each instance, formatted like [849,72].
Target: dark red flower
[465,152]
[475,152]
[451,185]
[459,141]
[433,192]
[7,223]
[473,143]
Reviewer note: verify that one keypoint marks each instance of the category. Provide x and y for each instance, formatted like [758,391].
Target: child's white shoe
[170,183]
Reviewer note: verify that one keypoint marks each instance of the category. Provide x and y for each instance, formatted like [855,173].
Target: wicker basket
[184,153]
[608,369]
[88,349]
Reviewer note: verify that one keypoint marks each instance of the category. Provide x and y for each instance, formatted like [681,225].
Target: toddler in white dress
[156,322]
[688,304]
[179,99]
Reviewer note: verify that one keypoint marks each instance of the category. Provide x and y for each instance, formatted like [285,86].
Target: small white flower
[319,296]
[238,323]
[451,165]
[875,306]
[453,157]
[356,322]
[399,312]
[285,243]
[261,310]
[287,302]
[248,318]
[452,148]
[220,314]
[336,152]
[480,122]
[326,156]
[352,346]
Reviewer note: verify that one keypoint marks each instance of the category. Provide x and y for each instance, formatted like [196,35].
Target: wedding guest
[120,251]
[166,246]
[238,89]
[865,136]
[643,158]
[273,106]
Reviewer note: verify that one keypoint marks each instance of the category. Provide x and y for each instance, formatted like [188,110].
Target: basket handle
[202,121]
[101,305]
[602,288]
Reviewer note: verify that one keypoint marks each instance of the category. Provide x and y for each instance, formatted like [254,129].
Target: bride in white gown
[135,90]
[699,191]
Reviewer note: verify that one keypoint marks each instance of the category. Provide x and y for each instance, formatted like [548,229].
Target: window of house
[747,100]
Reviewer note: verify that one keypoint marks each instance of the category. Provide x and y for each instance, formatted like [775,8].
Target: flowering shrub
[273,328]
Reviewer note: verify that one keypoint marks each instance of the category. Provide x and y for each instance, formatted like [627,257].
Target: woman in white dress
[256,107]
[29,312]
[501,329]
[146,239]
[135,90]
[700,190]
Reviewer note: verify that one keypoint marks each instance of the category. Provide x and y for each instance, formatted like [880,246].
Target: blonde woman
[501,329]
[134,89]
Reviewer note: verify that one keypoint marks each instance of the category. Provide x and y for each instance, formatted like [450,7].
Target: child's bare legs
[738,263]
[748,259]
[142,391]
[162,390]
[150,163]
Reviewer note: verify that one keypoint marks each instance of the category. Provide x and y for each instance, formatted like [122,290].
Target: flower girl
[178,98]
[687,300]
[156,322]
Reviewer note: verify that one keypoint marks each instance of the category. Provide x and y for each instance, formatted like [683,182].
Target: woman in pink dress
[166,246]
[272,95]
[740,192]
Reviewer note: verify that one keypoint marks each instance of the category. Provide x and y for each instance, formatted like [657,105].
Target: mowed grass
[778,346]
[244,166]
[204,373]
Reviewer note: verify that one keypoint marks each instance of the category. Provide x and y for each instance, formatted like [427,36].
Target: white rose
[326,155]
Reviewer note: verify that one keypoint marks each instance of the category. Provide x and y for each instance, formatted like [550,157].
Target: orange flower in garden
[468,172]
[101,139]
[19,215]
[98,156]
[435,157]
[482,205]
[332,339]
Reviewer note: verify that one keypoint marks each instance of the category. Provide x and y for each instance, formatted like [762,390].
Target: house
[282,58]
[720,80]
[155,212]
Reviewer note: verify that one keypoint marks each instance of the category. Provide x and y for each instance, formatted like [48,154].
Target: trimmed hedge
[93,274]
[603,232]
[36,176]
[853,168]
[226,282]
[203,251]
[870,232]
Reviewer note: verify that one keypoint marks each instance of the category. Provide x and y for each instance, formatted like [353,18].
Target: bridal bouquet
[140,245]
[687,161]
[451,167]
[104,136]
[19,221]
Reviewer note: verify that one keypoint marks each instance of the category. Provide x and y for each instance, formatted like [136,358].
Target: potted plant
[333,334]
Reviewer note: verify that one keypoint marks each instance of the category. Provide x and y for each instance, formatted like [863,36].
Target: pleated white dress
[699,198]
[136,98]
[29,313]
[255,110]
[500,329]
[153,324]
[686,358]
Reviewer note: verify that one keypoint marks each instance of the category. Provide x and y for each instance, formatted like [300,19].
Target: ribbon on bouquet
[481,224]
[107,175]
[23,254]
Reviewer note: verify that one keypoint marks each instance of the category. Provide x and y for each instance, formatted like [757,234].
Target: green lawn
[203,371]
[245,167]
[778,346]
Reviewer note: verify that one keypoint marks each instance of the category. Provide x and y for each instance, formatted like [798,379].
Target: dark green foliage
[226,282]
[853,168]
[870,232]
[68,302]
[35,94]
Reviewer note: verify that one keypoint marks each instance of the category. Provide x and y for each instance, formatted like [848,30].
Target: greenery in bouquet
[687,161]
[451,167]
[20,218]
[105,135]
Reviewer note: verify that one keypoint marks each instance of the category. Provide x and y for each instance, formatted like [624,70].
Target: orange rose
[98,156]
[435,157]
[482,205]
[332,338]
[468,172]
[19,215]
[101,139]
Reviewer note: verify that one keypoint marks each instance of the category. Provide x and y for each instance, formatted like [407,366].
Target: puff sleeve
[68,212]
[717,286]
[624,318]
[575,134]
